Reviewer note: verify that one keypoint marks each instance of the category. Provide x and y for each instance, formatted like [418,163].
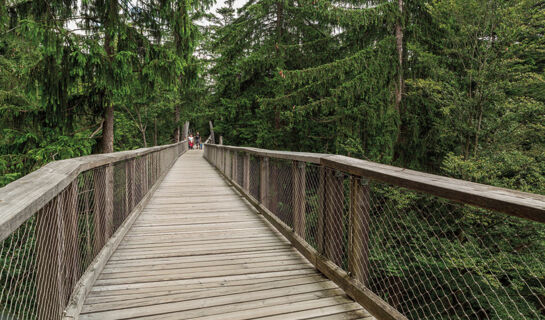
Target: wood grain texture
[198,250]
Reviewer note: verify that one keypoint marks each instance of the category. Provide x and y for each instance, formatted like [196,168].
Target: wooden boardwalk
[198,251]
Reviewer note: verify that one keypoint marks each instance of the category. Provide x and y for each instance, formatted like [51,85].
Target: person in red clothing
[190,141]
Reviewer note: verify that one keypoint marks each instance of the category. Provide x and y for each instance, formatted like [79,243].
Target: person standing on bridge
[190,141]
[198,140]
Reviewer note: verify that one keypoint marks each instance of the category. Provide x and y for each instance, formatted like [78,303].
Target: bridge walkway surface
[199,251]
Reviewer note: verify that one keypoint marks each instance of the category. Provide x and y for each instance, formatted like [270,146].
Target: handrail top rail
[521,204]
[23,197]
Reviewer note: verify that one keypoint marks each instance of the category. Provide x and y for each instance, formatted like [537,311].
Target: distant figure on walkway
[198,140]
[190,141]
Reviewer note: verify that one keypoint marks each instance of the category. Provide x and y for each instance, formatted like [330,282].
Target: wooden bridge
[198,250]
[244,233]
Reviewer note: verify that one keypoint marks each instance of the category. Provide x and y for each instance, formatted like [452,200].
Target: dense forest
[82,77]
[451,87]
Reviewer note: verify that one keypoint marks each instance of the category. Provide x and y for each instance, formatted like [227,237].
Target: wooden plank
[282,305]
[246,172]
[333,217]
[286,286]
[263,179]
[50,291]
[521,204]
[358,234]
[212,289]
[225,304]
[341,311]
[299,197]
[163,288]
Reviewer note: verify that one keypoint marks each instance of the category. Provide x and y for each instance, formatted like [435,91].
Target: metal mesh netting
[428,257]
[44,258]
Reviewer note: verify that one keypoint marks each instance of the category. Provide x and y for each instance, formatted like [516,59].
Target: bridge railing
[58,220]
[404,244]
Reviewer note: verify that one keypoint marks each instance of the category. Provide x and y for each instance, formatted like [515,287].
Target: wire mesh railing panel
[428,257]
[280,190]
[42,260]
[313,199]
[434,259]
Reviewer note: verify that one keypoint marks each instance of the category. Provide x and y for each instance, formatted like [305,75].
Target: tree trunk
[108,128]
[107,143]
[399,47]
[177,121]
[185,134]
[155,132]
[143,131]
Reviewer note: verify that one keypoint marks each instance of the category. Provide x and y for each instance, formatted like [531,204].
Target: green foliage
[321,76]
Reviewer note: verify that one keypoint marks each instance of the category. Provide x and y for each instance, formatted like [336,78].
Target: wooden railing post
[71,235]
[299,198]
[227,170]
[263,180]
[333,205]
[103,205]
[234,165]
[50,275]
[358,237]
[130,184]
[321,210]
[246,173]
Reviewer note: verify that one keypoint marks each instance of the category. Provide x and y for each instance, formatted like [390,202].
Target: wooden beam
[263,180]
[299,197]
[516,203]
[333,217]
[246,172]
[72,260]
[50,272]
[358,232]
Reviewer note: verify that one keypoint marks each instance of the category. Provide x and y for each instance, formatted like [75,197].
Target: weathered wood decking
[198,251]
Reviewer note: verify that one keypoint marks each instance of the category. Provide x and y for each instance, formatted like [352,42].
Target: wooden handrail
[20,199]
[512,202]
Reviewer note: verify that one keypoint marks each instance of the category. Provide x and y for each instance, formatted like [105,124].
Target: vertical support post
[221,140]
[321,210]
[234,166]
[333,205]
[130,184]
[104,206]
[50,277]
[358,237]
[223,160]
[263,180]
[71,241]
[299,198]
[272,197]
[246,173]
